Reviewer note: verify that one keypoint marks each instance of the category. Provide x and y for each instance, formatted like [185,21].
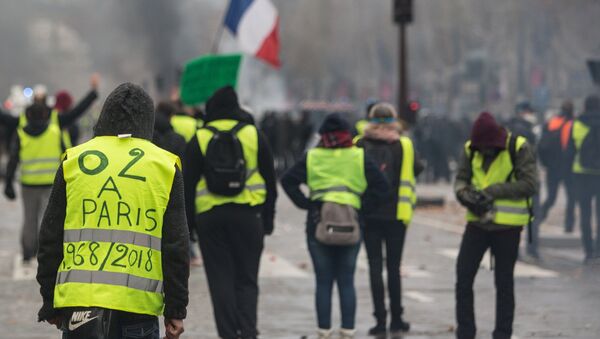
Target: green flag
[206,74]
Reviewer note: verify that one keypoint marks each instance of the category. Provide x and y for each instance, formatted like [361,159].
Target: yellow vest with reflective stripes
[407,197]
[336,175]
[254,192]
[507,212]
[117,193]
[185,126]
[39,155]
[580,132]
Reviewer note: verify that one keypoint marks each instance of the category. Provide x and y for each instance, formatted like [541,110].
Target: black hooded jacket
[128,109]
[224,105]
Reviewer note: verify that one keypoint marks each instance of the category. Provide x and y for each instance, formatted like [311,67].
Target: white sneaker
[346,333]
[324,334]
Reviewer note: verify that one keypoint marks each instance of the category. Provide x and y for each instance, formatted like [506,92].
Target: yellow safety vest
[66,137]
[254,192]
[117,192]
[185,126]
[360,126]
[509,212]
[336,175]
[39,155]
[580,132]
[407,197]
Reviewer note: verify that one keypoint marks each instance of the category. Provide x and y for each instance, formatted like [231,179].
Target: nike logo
[79,319]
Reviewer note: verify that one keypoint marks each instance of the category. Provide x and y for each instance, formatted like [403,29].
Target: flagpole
[217,39]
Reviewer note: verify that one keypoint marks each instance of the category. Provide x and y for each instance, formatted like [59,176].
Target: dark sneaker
[378,330]
[399,326]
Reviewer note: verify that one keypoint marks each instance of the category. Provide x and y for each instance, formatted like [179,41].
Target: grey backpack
[339,225]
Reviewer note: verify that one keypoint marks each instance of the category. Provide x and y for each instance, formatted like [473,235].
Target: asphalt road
[556,298]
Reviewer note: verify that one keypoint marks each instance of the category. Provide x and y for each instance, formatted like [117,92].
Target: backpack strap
[238,127]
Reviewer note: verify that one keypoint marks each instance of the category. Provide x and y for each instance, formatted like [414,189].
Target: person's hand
[9,192]
[173,328]
[268,226]
[56,321]
[95,81]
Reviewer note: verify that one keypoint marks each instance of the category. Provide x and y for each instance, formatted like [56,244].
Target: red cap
[487,133]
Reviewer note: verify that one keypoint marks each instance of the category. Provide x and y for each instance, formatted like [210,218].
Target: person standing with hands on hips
[114,240]
[496,179]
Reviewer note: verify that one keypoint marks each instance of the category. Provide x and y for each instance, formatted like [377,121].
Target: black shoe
[399,326]
[378,330]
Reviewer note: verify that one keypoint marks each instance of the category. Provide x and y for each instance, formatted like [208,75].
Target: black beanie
[334,122]
[223,103]
[127,110]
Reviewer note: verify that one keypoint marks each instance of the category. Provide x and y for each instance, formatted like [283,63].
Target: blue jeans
[334,264]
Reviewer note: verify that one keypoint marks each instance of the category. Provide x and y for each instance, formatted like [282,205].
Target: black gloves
[268,226]
[478,202]
[9,192]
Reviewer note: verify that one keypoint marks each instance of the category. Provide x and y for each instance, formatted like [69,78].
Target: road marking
[21,271]
[521,269]
[418,296]
[273,266]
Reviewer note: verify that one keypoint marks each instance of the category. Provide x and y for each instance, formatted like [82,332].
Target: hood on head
[334,122]
[128,109]
[223,104]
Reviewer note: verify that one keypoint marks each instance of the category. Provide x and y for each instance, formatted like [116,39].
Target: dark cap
[487,133]
[334,122]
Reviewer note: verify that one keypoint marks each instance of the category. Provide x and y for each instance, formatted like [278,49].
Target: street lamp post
[403,15]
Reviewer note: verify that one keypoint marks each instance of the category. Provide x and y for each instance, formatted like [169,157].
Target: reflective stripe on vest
[185,126]
[336,175]
[118,190]
[506,211]
[254,192]
[407,197]
[39,156]
[580,132]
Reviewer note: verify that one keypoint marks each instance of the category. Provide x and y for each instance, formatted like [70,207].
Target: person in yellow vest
[395,157]
[231,189]
[361,125]
[496,179]
[36,149]
[114,240]
[184,125]
[584,157]
[342,181]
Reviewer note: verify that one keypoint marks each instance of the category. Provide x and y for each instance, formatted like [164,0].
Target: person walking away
[361,124]
[114,239]
[523,124]
[36,148]
[184,125]
[495,181]
[342,181]
[394,155]
[231,190]
[552,152]
[584,155]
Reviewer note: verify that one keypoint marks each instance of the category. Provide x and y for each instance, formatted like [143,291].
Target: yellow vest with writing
[509,212]
[117,192]
[254,192]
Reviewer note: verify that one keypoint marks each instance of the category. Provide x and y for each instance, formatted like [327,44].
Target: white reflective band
[40,171]
[250,188]
[406,183]
[320,192]
[251,173]
[110,278]
[40,160]
[513,210]
[118,236]
[406,200]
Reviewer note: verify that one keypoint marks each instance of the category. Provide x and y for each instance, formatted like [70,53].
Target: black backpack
[589,155]
[224,162]
[549,148]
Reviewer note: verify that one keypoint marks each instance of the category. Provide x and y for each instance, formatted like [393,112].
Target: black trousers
[231,242]
[505,248]
[392,233]
[553,179]
[588,191]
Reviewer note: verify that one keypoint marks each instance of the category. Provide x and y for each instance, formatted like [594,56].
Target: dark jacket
[590,119]
[387,210]
[377,188]
[166,138]
[175,236]
[194,168]
[525,186]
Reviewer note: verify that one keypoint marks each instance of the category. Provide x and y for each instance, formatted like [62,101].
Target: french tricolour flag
[255,23]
